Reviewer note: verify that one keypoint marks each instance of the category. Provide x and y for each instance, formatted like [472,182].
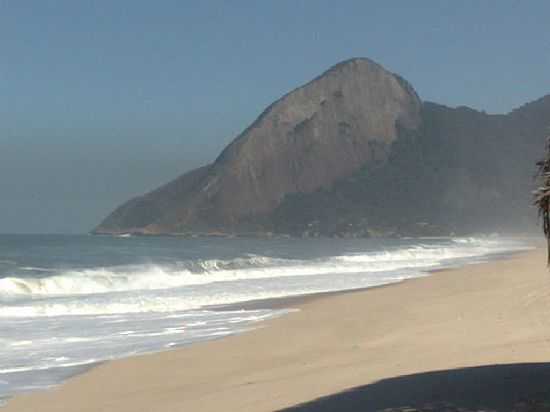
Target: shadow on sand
[517,387]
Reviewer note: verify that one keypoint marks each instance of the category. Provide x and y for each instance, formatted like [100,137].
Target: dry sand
[492,313]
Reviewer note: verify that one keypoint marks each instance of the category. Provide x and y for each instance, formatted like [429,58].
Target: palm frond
[541,196]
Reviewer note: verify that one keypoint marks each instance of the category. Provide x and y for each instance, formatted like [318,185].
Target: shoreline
[286,302]
[306,303]
[283,305]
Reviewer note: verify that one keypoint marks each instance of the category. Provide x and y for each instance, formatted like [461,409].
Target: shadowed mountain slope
[461,171]
[354,153]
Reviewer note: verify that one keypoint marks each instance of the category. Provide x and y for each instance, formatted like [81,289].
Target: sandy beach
[489,314]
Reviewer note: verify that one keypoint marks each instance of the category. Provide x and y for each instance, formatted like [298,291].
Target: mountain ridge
[354,117]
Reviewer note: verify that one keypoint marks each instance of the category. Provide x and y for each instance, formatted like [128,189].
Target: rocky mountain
[461,171]
[355,152]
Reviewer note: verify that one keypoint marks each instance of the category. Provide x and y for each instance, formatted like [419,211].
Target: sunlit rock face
[324,131]
[355,153]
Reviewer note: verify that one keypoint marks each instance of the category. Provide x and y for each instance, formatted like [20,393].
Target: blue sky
[103,100]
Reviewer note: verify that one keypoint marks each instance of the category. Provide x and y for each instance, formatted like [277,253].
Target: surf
[127,278]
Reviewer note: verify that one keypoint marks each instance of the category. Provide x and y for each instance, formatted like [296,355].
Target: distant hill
[355,152]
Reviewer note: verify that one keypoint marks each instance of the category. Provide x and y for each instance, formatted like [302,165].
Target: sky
[104,100]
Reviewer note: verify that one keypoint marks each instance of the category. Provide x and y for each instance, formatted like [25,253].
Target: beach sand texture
[495,313]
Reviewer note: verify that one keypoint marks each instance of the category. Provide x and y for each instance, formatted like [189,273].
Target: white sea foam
[157,277]
[132,305]
[54,322]
[45,366]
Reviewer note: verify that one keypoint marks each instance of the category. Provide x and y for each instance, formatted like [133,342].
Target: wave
[198,272]
[170,304]
[36,269]
[47,366]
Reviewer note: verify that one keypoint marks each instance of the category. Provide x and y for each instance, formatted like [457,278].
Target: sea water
[68,302]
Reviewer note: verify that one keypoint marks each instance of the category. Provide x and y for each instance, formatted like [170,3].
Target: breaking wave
[78,300]
[102,280]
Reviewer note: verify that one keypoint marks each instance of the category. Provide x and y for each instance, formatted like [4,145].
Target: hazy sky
[104,100]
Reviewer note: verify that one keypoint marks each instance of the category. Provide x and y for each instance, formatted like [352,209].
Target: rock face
[356,153]
[312,137]
[461,171]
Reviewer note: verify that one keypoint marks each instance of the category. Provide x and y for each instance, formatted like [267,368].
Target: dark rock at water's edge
[355,153]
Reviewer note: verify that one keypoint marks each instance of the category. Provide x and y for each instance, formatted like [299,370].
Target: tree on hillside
[542,194]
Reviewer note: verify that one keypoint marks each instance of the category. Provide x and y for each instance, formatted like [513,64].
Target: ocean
[69,302]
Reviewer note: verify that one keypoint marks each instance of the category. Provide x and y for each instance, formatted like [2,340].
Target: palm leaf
[541,196]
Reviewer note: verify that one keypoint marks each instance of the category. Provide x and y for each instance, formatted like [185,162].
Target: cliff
[461,171]
[319,133]
[356,153]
